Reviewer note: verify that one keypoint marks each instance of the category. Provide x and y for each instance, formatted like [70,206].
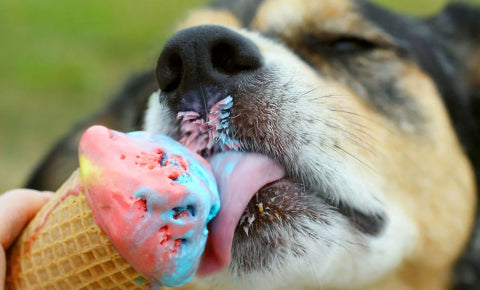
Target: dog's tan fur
[208,16]
[451,203]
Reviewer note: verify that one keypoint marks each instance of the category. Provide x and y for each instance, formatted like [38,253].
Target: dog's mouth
[253,186]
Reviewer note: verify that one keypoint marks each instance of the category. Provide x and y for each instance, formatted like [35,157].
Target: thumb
[17,207]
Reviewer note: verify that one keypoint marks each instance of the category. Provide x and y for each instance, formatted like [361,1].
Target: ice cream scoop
[152,198]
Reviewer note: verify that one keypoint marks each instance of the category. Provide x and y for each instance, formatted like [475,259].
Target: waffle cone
[63,248]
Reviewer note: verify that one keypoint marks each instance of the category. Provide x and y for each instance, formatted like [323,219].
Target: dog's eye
[340,44]
[351,44]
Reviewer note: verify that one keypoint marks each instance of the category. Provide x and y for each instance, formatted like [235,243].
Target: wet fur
[378,116]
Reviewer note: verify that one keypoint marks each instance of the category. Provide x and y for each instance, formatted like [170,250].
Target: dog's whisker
[354,139]
[350,113]
[337,148]
[362,129]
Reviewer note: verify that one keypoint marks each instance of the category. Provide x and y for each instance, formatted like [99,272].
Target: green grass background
[59,60]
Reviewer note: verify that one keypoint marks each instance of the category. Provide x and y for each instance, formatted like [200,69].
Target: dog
[372,116]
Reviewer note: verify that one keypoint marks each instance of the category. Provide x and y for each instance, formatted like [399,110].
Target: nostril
[169,72]
[232,58]
[223,58]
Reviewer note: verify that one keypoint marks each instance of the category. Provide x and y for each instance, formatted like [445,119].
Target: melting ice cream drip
[211,135]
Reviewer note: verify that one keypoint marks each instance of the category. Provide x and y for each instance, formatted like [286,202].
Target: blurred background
[60,60]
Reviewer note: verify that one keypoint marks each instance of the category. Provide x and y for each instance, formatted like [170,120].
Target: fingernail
[47,194]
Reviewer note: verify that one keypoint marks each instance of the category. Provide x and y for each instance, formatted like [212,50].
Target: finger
[17,207]
[3,268]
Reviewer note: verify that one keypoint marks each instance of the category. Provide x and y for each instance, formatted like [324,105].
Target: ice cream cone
[63,248]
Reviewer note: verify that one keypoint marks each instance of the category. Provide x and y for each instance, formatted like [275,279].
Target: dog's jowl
[372,116]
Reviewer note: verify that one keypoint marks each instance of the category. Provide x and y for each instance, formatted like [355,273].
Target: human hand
[17,207]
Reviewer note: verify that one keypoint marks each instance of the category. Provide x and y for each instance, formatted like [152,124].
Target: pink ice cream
[152,197]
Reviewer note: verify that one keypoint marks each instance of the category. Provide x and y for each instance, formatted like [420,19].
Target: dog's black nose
[203,56]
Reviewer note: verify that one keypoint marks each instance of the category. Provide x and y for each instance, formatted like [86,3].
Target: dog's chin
[272,227]
[281,219]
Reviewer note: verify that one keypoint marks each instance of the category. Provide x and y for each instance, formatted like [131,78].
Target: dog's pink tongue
[239,176]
